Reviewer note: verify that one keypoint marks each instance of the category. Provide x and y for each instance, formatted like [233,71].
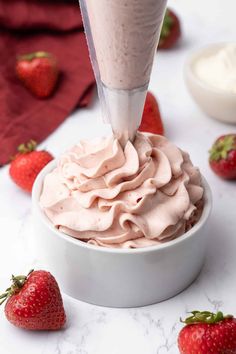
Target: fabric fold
[28,26]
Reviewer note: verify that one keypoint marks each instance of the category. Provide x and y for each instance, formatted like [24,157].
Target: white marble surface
[153,329]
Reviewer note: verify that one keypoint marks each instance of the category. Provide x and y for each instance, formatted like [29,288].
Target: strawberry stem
[1,302]
[167,25]
[205,317]
[222,147]
[17,283]
[31,56]
[29,147]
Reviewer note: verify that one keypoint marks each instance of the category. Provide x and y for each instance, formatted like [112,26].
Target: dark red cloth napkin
[27,26]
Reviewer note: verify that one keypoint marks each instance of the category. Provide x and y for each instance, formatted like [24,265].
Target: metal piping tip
[123,109]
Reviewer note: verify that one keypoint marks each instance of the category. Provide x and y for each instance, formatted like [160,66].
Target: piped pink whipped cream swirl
[141,195]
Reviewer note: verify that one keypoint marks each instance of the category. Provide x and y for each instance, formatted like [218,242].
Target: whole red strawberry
[208,333]
[171,30]
[222,157]
[151,119]
[34,302]
[27,164]
[39,72]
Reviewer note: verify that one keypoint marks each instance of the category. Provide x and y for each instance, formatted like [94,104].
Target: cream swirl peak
[141,195]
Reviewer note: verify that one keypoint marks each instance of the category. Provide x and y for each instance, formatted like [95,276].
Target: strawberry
[39,72]
[151,119]
[171,30]
[27,164]
[34,302]
[206,333]
[222,157]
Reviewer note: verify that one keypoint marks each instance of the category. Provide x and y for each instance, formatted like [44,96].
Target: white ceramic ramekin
[118,277]
[216,103]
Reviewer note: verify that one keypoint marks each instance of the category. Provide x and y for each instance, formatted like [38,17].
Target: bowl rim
[149,249]
[193,56]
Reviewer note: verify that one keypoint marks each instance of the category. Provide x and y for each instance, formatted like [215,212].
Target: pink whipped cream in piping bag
[141,194]
[122,37]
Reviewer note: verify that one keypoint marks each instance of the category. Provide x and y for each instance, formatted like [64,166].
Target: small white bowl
[118,277]
[216,103]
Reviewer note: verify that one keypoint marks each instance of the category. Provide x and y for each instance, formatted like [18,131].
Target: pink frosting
[143,194]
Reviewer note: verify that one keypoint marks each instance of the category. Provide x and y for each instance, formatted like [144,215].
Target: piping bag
[122,37]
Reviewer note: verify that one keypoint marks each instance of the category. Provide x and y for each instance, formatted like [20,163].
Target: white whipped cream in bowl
[218,70]
[122,226]
[210,76]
